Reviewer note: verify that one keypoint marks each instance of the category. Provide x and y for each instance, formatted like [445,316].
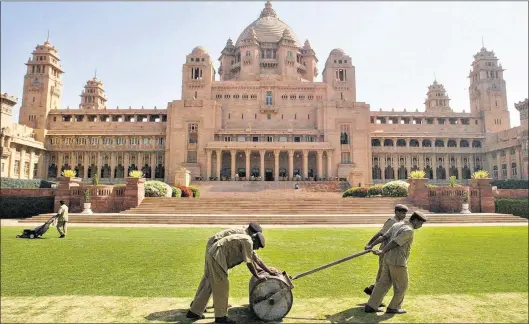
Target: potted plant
[87,205]
[480,178]
[465,209]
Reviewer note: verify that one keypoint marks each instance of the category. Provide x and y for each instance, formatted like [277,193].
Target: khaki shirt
[227,232]
[63,214]
[402,234]
[387,225]
[232,250]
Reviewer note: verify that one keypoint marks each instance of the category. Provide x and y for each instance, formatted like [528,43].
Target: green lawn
[168,262]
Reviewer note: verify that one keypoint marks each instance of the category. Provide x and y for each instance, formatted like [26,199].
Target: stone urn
[465,205]
[87,208]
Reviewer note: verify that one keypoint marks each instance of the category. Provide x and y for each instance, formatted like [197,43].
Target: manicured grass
[168,262]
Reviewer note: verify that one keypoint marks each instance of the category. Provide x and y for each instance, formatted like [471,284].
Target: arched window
[452,143]
[426,143]
[268,97]
[414,143]
[248,53]
[388,142]
[401,143]
[476,143]
[439,143]
[375,142]
[463,143]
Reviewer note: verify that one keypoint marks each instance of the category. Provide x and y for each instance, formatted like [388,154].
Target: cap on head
[260,238]
[61,202]
[400,207]
[418,215]
[256,228]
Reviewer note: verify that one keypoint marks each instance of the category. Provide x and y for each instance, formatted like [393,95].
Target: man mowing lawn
[400,214]
[225,254]
[395,270]
[62,219]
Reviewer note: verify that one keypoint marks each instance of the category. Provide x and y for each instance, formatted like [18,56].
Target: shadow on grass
[173,316]
[357,315]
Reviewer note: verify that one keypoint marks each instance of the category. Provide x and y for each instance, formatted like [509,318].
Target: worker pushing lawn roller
[271,299]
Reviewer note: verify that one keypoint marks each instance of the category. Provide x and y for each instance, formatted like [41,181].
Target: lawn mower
[38,231]
[271,299]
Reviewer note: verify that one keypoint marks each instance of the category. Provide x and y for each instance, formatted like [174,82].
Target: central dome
[268,28]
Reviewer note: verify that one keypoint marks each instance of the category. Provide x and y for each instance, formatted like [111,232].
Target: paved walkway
[14,222]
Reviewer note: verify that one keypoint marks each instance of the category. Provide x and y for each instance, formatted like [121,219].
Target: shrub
[155,188]
[21,207]
[465,197]
[375,190]
[355,192]
[511,184]
[431,186]
[515,206]
[136,174]
[68,173]
[176,192]
[95,179]
[395,189]
[481,174]
[26,183]
[87,196]
[417,174]
[452,181]
[186,192]
[117,185]
[196,191]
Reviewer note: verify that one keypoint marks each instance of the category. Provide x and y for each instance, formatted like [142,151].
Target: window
[282,138]
[504,171]
[17,167]
[94,140]
[134,141]
[227,139]
[284,97]
[107,141]
[269,138]
[255,139]
[268,97]
[192,128]
[344,134]
[341,75]
[297,139]
[120,141]
[146,141]
[310,97]
[248,54]
[514,170]
[289,54]
[241,139]
[161,141]
[292,97]
[269,116]
[68,141]
[346,158]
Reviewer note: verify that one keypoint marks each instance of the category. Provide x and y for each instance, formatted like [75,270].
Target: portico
[268,161]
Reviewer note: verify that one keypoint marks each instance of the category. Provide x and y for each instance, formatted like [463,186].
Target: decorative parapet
[10,99]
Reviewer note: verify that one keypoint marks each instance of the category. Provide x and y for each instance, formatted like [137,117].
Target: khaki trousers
[396,276]
[215,280]
[204,285]
[61,227]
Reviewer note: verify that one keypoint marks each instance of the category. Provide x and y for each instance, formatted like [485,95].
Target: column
[247,153]
[153,162]
[261,166]
[498,164]
[329,164]
[21,173]
[305,164]
[112,165]
[86,161]
[434,166]
[447,164]
[208,164]
[126,161]
[408,164]
[320,164]
[290,164]
[99,163]
[395,164]
[276,164]
[60,162]
[471,163]
[382,163]
[233,155]
[31,163]
[219,161]
[459,163]
[509,173]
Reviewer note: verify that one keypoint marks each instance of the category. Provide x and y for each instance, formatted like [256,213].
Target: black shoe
[382,305]
[62,236]
[395,311]
[194,316]
[369,309]
[224,320]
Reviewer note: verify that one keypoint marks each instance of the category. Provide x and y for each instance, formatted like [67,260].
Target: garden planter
[464,209]
[87,208]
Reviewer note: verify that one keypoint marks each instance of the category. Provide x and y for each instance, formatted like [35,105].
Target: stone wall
[27,192]
[510,193]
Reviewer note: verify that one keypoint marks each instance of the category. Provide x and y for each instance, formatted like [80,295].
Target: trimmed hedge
[511,184]
[355,192]
[196,191]
[155,188]
[376,190]
[396,189]
[515,206]
[26,183]
[176,192]
[22,207]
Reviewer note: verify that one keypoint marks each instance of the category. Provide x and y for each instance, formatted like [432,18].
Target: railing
[269,145]
[425,149]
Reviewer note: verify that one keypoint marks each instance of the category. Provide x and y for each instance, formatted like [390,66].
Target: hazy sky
[138,48]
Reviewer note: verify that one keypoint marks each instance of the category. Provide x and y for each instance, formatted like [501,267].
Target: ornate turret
[268,11]
[436,98]
[93,95]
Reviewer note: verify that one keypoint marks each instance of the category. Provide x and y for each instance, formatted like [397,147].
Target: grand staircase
[277,203]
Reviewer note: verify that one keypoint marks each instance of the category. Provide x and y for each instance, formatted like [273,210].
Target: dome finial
[268,11]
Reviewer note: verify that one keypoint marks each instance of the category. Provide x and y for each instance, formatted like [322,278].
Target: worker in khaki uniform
[395,269]
[400,214]
[62,219]
[252,228]
[223,255]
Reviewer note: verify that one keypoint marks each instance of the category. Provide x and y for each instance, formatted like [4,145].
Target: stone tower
[339,75]
[93,95]
[309,61]
[42,88]
[488,93]
[198,75]
[436,98]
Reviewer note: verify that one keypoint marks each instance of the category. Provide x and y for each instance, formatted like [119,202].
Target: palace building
[265,116]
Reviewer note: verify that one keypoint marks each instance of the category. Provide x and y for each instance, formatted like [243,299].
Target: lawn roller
[272,299]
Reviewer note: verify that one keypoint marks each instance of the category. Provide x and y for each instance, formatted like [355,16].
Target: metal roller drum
[271,299]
